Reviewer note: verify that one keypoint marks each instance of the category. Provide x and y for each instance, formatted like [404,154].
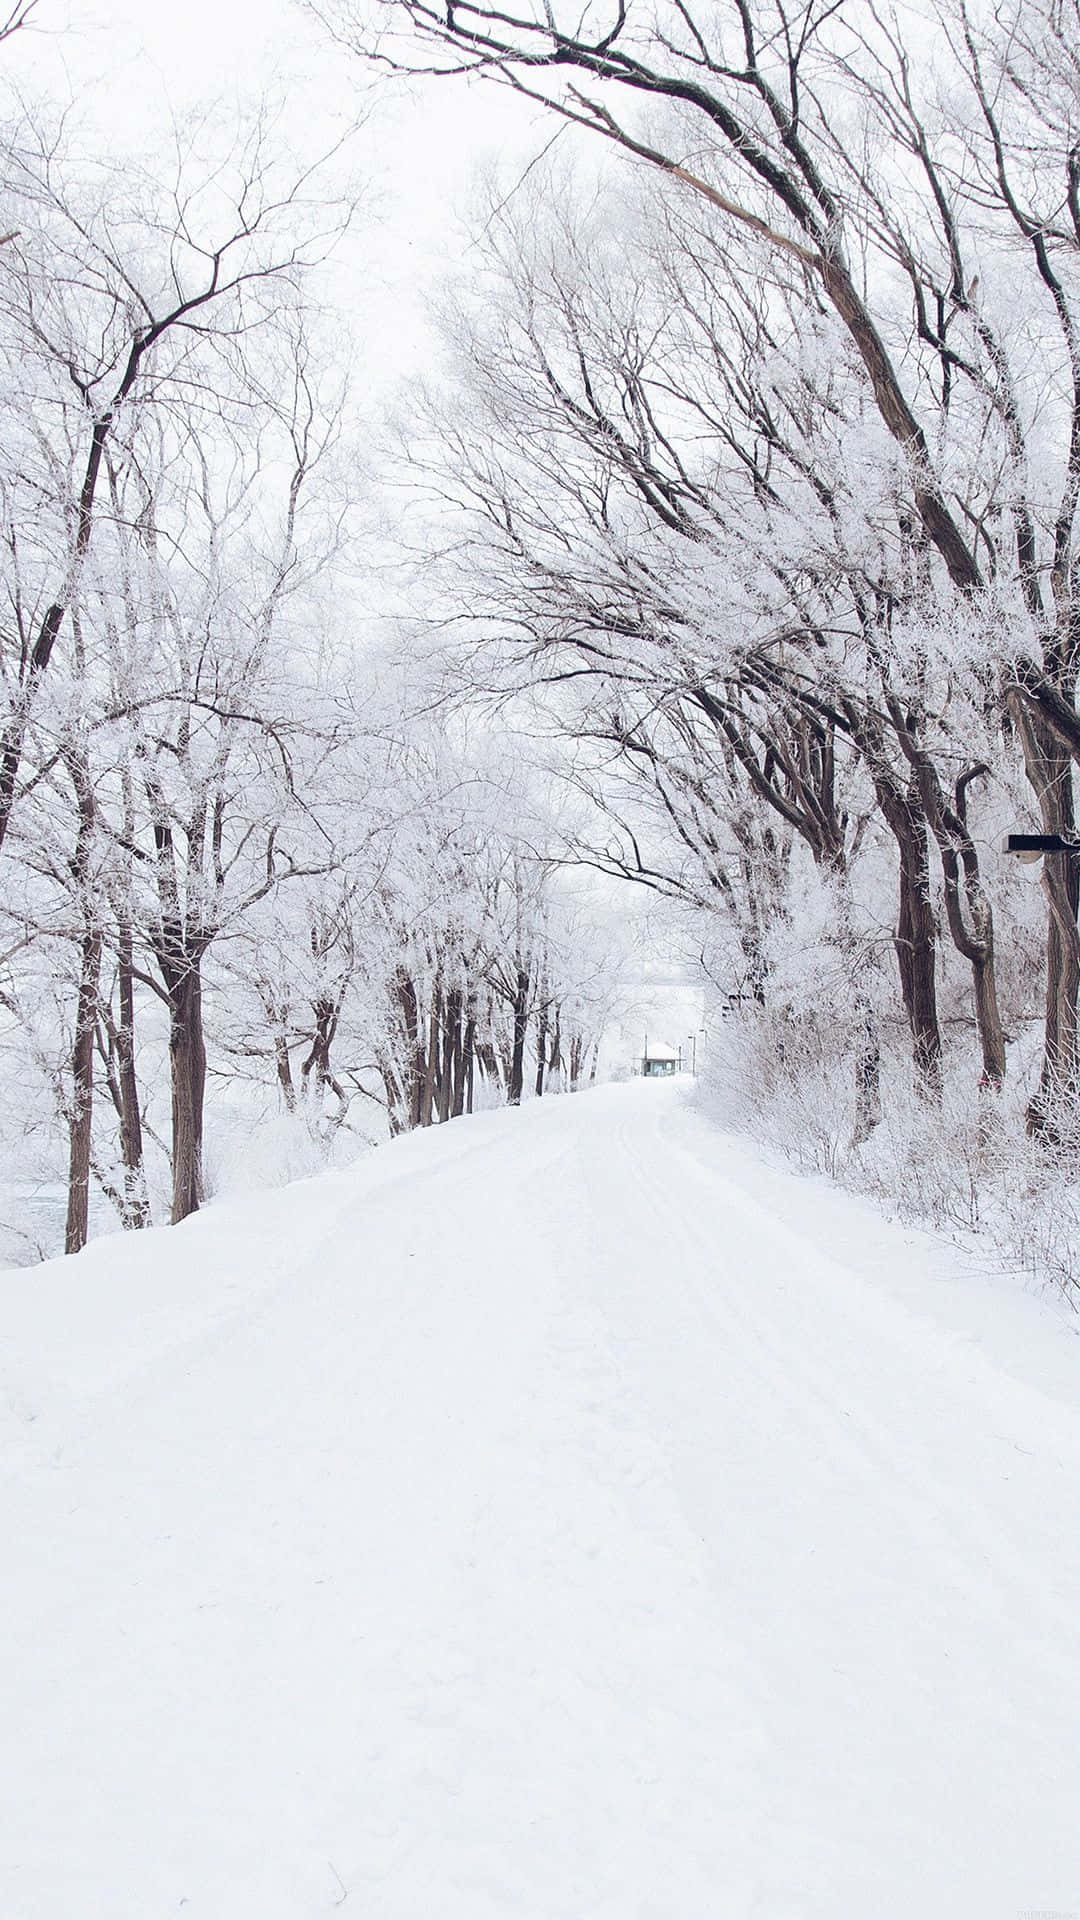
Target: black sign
[1040,843]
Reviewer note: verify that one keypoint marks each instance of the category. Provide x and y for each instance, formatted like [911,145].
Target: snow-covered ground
[559,1516]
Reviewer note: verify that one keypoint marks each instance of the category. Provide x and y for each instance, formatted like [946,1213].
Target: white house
[658,1061]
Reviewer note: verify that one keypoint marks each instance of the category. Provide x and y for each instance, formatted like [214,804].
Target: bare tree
[104,312]
[818,140]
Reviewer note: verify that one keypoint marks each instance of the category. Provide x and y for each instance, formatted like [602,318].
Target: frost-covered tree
[901,203]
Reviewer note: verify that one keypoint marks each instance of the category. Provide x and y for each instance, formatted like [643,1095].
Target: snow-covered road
[560,1516]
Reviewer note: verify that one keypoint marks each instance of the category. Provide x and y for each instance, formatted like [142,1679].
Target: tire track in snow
[557,1538]
[936,1569]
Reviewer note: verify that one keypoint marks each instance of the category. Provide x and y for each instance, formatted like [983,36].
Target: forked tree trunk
[277,1020]
[488,1058]
[973,934]
[316,1071]
[315,1066]
[977,946]
[317,1074]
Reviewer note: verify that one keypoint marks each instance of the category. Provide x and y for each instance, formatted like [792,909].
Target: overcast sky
[421,147]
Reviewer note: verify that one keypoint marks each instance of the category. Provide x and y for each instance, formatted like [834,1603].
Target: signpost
[1032,846]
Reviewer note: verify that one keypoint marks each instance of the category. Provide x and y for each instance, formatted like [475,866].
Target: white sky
[132,65]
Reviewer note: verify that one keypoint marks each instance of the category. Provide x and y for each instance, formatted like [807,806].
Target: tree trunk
[977,946]
[316,1071]
[488,1059]
[187,1059]
[82,1100]
[555,1056]
[463,1063]
[277,1019]
[397,1112]
[427,1090]
[973,937]
[80,1125]
[456,1069]
[469,1059]
[867,1072]
[1050,772]
[408,1007]
[283,1065]
[915,940]
[1050,1109]
[136,1198]
[867,1037]
[317,1060]
[521,1023]
[916,952]
[541,1045]
[451,1050]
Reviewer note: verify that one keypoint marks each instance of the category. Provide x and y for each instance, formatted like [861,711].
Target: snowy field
[559,1516]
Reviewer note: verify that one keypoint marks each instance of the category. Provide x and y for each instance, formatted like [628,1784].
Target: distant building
[658,1061]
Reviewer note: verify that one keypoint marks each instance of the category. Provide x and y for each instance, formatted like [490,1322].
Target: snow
[561,1515]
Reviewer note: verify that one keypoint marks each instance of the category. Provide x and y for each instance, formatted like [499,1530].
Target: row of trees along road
[207,822]
[770,453]
[762,468]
